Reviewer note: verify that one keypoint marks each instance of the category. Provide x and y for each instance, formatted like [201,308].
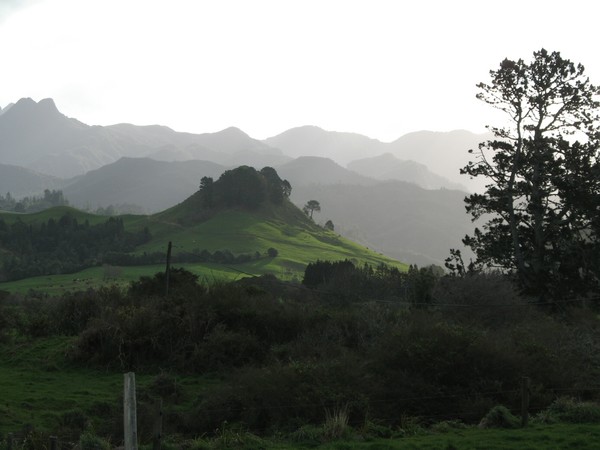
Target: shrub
[336,423]
[499,417]
[568,409]
[308,435]
[89,441]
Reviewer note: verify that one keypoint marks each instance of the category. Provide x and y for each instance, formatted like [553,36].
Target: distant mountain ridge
[443,153]
[21,182]
[387,167]
[38,136]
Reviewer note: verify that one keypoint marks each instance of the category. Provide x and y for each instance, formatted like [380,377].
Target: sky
[381,68]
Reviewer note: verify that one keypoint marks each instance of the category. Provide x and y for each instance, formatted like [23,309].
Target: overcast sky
[379,68]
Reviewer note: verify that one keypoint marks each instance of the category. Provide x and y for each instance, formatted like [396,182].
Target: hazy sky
[380,68]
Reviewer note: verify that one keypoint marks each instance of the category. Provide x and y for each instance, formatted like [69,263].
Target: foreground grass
[40,388]
[537,437]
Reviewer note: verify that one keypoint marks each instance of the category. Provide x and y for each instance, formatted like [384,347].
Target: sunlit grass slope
[297,239]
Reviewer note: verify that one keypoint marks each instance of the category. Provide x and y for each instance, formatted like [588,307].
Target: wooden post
[129,412]
[157,433]
[53,443]
[525,386]
[168,269]
[9,441]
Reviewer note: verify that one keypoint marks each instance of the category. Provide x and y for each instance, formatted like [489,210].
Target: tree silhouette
[310,207]
[542,203]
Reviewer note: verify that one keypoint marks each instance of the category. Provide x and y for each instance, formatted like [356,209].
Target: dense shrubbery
[343,280]
[287,353]
[197,256]
[62,246]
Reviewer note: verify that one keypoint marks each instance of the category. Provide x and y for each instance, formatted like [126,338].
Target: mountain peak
[48,105]
[28,107]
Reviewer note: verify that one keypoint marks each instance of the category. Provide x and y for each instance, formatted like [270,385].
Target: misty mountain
[21,182]
[307,170]
[30,132]
[314,141]
[399,219]
[443,153]
[152,185]
[388,167]
[40,137]
[6,108]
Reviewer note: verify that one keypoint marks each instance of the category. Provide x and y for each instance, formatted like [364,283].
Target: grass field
[39,388]
[42,389]
[297,242]
[95,277]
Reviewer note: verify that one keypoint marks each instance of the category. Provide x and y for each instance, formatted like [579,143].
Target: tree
[542,203]
[277,189]
[329,225]
[310,207]
[207,191]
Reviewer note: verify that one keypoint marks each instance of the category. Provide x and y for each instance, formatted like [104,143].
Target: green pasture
[95,277]
[40,388]
[55,213]
[238,231]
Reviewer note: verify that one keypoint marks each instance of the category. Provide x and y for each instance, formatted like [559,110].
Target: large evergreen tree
[542,204]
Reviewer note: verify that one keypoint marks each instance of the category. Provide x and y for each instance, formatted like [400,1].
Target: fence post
[9,441]
[129,412]
[157,433]
[168,269]
[53,443]
[525,385]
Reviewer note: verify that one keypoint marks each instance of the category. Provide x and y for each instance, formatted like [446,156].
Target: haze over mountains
[401,198]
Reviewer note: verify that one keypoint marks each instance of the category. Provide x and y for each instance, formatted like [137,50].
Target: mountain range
[403,198]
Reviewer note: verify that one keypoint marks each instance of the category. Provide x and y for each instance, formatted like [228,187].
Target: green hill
[232,237]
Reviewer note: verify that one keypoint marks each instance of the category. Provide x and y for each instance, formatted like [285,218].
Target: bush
[336,423]
[89,441]
[568,409]
[499,417]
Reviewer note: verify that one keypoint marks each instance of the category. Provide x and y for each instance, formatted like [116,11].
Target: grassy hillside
[297,239]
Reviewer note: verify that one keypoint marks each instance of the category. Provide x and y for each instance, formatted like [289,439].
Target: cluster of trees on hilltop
[34,203]
[244,186]
[61,246]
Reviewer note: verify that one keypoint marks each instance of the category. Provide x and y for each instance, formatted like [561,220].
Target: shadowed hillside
[399,219]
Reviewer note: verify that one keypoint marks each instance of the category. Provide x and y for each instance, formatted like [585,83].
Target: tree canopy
[541,207]
[244,186]
[311,206]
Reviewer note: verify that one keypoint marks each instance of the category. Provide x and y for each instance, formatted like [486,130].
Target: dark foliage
[540,208]
[33,204]
[244,186]
[284,354]
[62,246]
[346,282]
